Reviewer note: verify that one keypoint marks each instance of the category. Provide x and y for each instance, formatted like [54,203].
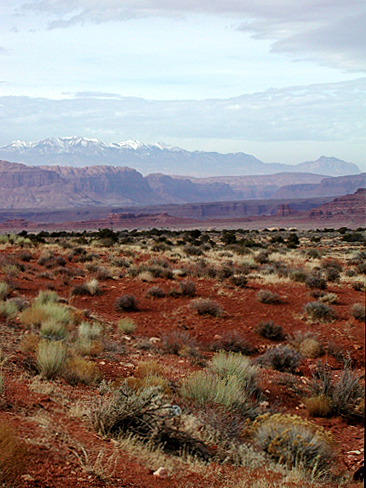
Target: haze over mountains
[159,158]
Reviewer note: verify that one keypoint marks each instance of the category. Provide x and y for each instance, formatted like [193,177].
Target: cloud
[326,112]
[328,31]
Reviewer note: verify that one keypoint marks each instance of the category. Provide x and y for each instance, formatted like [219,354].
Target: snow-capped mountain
[158,158]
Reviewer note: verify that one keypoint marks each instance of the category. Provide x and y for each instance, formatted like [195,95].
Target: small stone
[264,404]
[217,337]
[161,473]
[354,452]
[154,339]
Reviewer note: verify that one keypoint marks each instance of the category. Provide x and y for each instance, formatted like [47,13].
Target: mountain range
[160,158]
[61,187]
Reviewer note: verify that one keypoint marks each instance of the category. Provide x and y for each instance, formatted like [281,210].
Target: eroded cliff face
[347,205]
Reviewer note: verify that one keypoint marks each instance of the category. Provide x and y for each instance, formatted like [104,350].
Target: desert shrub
[345,394]
[78,370]
[282,358]
[293,441]
[25,256]
[361,268]
[319,312]
[332,264]
[155,292]
[206,306]
[8,310]
[332,274]
[270,330]
[178,342]
[46,257]
[316,280]
[4,290]
[144,413]
[225,272]
[193,251]
[13,455]
[51,328]
[187,288]
[299,275]
[103,273]
[51,357]
[268,297]
[233,341]
[307,344]
[126,303]
[359,285]
[358,312]
[318,406]
[127,326]
[328,298]
[241,281]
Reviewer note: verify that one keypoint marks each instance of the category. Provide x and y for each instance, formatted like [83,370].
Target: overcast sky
[284,80]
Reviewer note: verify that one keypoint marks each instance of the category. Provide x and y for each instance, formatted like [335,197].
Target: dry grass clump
[37,313]
[230,364]
[318,406]
[89,288]
[126,303]
[206,388]
[127,326]
[51,358]
[344,394]
[52,328]
[294,441]
[150,373]
[268,297]
[47,296]
[319,312]
[282,358]
[13,454]
[328,298]
[4,290]
[8,310]
[206,306]
[78,370]
[270,330]
[358,312]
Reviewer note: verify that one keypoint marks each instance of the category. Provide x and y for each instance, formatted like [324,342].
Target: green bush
[8,310]
[227,365]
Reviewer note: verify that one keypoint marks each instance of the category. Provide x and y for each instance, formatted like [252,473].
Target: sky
[283,80]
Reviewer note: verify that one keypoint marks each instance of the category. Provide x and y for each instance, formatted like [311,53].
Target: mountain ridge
[159,158]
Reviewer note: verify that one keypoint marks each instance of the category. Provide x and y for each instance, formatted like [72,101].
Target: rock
[161,473]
